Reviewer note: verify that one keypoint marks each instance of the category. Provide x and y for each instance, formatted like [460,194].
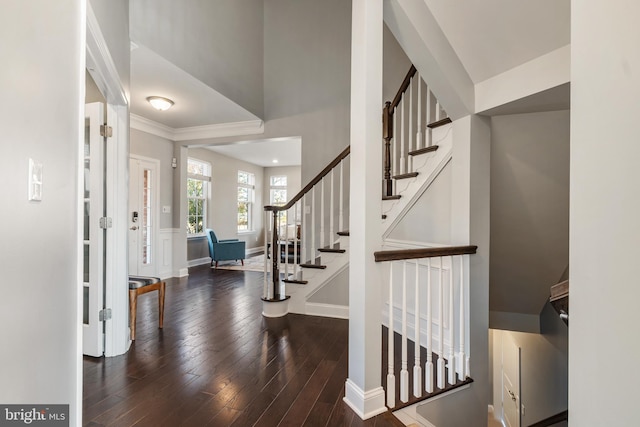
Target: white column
[363,391]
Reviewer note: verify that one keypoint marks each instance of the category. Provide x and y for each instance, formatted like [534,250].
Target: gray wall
[335,292]
[223,211]
[529,210]
[40,359]
[155,147]
[544,368]
[220,43]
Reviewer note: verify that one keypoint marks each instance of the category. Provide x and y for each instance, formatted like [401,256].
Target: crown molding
[250,127]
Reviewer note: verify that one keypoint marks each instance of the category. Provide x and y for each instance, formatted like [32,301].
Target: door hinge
[104,314]
[106,222]
[106,131]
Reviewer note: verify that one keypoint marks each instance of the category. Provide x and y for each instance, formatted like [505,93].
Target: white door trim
[104,72]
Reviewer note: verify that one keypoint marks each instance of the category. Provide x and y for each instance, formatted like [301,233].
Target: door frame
[507,339]
[156,206]
[104,72]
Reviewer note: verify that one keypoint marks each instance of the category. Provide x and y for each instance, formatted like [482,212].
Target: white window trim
[250,227]
[206,196]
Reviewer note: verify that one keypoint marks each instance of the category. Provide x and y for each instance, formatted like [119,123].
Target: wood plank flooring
[219,362]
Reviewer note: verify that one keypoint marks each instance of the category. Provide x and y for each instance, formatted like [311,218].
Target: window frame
[205,179]
[251,190]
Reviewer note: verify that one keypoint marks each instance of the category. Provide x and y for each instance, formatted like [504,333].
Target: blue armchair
[224,250]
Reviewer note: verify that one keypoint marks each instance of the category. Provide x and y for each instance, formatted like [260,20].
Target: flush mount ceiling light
[160,103]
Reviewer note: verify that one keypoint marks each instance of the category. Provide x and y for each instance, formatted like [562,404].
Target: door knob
[135,227]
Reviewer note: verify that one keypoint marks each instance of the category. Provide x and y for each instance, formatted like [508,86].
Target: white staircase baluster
[402,141]
[332,231]
[461,360]
[440,375]
[404,372]
[427,121]
[419,114]
[394,146]
[438,110]
[285,246]
[296,241]
[410,149]
[313,248]
[452,365]
[322,228]
[417,370]
[341,201]
[428,367]
[391,378]
[304,231]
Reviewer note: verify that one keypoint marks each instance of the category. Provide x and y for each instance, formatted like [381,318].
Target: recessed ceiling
[493,36]
[196,104]
[287,151]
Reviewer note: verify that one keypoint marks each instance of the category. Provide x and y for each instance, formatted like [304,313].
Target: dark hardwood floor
[219,362]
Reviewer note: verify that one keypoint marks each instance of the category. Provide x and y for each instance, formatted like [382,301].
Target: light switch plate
[166,209]
[35,180]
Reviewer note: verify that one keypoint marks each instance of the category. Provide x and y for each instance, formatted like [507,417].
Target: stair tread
[406,175]
[394,197]
[296,281]
[333,249]
[424,150]
[439,123]
[317,263]
[343,233]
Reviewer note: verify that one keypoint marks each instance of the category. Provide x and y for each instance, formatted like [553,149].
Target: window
[198,181]
[246,189]
[278,190]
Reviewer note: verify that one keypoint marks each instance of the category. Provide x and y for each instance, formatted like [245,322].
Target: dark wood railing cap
[400,254]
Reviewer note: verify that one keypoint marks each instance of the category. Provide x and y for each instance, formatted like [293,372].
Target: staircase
[418,145]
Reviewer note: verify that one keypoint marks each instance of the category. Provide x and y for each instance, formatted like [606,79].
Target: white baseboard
[328,310]
[198,261]
[365,404]
[183,272]
[253,251]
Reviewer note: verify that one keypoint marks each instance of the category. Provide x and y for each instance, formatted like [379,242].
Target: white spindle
[285,245]
[428,367]
[322,228]
[341,201]
[438,110]
[461,356]
[391,378]
[410,149]
[427,121]
[394,144]
[332,231]
[402,142]
[303,229]
[419,132]
[452,365]
[404,372]
[440,375]
[296,241]
[417,370]
[312,249]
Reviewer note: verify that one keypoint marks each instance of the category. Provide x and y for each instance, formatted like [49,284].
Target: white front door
[511,360]
[143,205]
[93,270]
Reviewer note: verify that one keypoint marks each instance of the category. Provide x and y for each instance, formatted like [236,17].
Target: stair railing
[310,220]
[427,291]
[406,127]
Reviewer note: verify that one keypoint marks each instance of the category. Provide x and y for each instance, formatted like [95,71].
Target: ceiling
[263,152]
[493,36]
[197,105]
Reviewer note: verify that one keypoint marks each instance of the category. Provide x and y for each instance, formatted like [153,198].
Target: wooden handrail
[313,182]
[554,419]
[403,87]
[400,254]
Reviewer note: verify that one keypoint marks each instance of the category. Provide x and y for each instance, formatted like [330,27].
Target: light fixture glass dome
[160,103]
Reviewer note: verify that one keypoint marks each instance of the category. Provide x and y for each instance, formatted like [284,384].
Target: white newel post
[363,390]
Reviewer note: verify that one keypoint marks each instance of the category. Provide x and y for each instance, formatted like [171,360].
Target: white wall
[155,147]
[219,43]
[223,205]
[39,308]
[604,206]
[529,212]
